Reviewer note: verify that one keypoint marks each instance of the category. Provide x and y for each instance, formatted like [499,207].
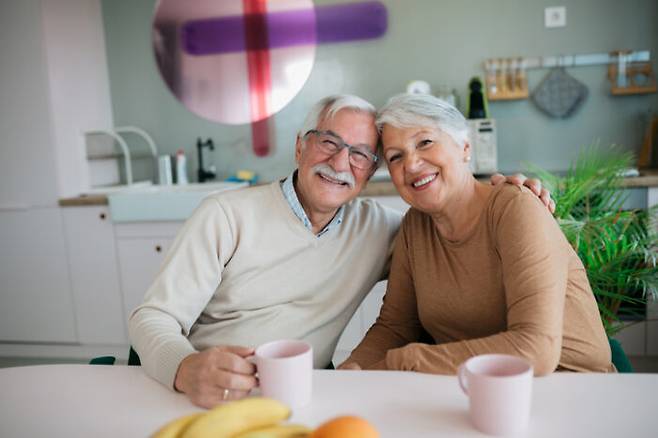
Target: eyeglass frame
[342,145]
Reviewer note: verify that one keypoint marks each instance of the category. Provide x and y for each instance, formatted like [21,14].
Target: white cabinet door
[35,291]
[139,260]
[95,275]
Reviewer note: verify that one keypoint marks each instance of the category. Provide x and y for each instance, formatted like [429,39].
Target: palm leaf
[619,249]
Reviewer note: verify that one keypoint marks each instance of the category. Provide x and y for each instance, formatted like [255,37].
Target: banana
[237,417]
[175,427]
[280,431]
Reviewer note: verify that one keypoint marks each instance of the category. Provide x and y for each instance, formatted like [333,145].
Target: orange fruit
[347,426]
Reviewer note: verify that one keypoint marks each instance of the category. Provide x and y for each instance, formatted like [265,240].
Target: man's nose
[340,161]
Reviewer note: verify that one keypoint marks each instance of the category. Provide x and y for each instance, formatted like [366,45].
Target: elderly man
[291,259]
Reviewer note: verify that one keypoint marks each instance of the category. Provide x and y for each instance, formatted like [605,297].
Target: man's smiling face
[318,188]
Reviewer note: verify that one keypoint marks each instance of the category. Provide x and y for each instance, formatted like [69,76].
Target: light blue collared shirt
[288,187]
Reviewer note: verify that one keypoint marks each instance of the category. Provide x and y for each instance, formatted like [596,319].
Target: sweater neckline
[293,221]
[479,224]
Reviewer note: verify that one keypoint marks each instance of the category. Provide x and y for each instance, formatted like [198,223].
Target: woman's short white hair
[409,110]
[326,108]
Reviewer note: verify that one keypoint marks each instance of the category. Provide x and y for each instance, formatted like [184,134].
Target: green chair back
[133,359]
[619,358]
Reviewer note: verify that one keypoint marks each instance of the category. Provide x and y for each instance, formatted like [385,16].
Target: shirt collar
[288,188]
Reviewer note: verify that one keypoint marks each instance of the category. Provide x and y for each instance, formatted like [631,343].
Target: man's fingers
[551,206]
[234,363]
[235,382]
[234,394]
[215,396]
[237,349]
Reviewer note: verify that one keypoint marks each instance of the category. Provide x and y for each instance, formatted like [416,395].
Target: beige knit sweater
[244,270]
[514,285]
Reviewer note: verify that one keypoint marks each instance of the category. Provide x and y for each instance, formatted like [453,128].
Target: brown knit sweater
[514,285]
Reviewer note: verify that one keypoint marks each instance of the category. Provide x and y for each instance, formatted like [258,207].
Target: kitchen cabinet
[141,250]
[94,275]
[36,304]
[54,86]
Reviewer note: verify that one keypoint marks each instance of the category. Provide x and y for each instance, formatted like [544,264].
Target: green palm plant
[618,248]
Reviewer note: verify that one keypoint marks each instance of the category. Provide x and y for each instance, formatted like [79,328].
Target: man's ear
[298,149]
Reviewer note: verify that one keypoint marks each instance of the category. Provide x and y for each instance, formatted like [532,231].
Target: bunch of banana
[255,417]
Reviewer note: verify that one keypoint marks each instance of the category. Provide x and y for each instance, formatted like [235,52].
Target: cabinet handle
[102,216]
[158,248]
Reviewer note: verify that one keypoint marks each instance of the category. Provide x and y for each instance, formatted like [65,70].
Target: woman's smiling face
[426,165]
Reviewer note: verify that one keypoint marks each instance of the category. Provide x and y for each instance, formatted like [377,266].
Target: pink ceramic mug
[499,388]
[285,370]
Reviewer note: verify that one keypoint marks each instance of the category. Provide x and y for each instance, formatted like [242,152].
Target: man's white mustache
[327,170]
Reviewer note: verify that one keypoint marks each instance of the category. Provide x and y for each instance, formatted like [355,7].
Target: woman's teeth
[426,180]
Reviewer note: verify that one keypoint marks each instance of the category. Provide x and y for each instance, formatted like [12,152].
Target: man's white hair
[326,108]
[410,110]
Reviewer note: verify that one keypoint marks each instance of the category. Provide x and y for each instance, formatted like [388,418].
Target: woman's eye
[393,158]
[424,143]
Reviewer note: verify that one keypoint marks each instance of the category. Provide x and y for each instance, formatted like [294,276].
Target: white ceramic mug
[499,388]
[285,370]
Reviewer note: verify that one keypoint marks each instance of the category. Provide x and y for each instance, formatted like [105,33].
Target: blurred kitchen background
[72,264]
[441,42]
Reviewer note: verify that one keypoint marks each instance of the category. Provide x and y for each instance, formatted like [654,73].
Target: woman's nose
[412,162]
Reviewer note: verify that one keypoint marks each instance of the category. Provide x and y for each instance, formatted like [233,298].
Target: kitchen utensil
[559,94]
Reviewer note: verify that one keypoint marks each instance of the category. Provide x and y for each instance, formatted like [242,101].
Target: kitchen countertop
[647,178]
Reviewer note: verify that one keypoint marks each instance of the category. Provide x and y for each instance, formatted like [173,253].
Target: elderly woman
[478,268]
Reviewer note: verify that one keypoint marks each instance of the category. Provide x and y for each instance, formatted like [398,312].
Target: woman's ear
[467,152]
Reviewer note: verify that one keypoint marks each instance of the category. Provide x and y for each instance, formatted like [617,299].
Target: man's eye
[329,142]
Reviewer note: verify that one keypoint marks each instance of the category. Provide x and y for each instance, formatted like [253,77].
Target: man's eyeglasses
[330,144]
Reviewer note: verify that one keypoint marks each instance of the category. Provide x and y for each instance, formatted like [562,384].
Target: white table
[120,401]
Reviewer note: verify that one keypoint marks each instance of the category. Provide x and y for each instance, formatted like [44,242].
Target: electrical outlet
[555,16]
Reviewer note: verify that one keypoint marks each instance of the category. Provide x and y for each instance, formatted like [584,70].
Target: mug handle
[461,377]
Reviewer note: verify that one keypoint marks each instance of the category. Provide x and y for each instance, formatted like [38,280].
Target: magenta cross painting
[241,61]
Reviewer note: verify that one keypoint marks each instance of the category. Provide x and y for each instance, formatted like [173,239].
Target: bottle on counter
[181,168]
[164,170]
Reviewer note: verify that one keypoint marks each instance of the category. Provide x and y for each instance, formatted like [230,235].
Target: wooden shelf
[617,91]
[509,95]
[640,77]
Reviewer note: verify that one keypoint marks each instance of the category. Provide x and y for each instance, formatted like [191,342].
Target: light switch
[555,16]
